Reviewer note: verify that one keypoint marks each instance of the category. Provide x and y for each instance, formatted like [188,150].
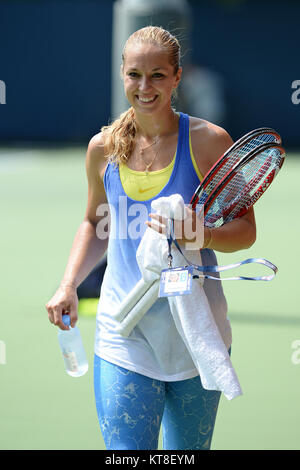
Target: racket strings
[254,172]
[242,186]
[233,158]
[256,186]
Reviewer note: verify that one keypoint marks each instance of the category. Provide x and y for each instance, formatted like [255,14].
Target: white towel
[192,314]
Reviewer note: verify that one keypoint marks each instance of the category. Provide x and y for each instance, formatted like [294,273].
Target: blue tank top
[154,348]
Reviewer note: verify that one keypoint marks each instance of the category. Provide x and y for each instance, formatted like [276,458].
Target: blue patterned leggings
[131,408]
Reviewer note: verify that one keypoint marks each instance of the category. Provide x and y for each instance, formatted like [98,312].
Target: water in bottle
[72,348]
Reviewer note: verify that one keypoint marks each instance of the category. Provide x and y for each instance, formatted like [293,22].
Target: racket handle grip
[131,299]
[139,310]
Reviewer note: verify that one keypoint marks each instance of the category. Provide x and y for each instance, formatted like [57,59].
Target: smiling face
[149,78]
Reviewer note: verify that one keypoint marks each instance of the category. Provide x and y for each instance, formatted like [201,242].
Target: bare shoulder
[95,160]
[209,142]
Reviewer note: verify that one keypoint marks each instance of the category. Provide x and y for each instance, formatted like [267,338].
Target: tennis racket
[232,156]
[243,185]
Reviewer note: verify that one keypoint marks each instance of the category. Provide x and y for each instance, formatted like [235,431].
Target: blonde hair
[119,137]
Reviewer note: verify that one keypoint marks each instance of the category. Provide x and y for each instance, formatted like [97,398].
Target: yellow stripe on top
[141,186]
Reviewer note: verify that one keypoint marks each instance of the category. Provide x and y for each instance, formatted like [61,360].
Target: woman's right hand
[64,301]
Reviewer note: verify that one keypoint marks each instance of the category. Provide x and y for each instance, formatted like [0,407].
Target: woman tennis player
[150,151]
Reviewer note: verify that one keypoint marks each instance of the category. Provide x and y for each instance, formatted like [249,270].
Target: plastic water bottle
[72,348]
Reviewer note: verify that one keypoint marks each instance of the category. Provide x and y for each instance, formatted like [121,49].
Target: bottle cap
[66,319]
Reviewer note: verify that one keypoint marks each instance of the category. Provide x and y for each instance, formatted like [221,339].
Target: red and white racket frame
[226,156]
[269,177]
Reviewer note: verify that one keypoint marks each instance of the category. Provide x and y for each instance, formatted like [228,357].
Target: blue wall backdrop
[55,59]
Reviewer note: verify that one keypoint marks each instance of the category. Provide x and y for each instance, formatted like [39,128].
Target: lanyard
[217,269]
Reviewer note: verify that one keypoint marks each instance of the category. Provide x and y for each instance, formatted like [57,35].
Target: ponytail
[119,137]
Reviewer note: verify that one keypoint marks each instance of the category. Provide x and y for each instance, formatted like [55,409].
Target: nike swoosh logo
[141,191]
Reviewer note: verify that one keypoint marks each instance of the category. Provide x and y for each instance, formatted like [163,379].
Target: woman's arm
[87,249]
[236,235]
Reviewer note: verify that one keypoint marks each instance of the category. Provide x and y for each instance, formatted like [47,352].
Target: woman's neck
[153,126]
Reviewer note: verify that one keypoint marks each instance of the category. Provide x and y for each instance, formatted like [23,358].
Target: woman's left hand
[189,232]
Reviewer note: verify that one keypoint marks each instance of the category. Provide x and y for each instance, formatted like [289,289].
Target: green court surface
[43,194]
